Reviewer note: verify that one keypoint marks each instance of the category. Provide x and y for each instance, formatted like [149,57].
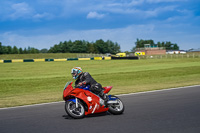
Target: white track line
[137,93]
[24,106]
[116,95]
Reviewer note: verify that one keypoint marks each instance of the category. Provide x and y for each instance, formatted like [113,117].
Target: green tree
[168,45]
[66,47]
[53,49]
[176,47]
[90,48]
[140,42]
[5,49]
[1,48]
[25,51]
[82,46]
[100,46]
[44,50]
[78,47]
[116,48]
[15,50]
[59,48]
[33,50]
[29,50]
[21,51]
[9,49]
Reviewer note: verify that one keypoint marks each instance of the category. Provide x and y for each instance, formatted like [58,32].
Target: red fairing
[90,99]
[93,105]
[107,89]
[67,91]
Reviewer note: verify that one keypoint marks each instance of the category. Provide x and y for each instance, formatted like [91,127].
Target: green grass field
[39,82]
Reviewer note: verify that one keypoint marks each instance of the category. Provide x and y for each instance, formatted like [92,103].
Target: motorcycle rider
[84,78]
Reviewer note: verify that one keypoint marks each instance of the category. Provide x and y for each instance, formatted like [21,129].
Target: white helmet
[76,72]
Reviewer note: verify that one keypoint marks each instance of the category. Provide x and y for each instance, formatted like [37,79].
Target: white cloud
[157,11]
[126,36]
[21,10]
[159,1]
[98,10]
[95,15]
[67,8]
[15,11]
[147,13]
[128,8]
[126,4]
[45,15]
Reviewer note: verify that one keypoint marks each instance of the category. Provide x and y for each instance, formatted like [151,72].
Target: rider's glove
[82,83]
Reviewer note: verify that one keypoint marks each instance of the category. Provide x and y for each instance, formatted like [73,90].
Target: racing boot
[104,97]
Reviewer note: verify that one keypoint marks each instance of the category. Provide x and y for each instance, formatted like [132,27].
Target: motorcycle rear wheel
[118,108]
[71,110]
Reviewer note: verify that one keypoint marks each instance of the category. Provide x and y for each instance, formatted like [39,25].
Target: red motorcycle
[81,101]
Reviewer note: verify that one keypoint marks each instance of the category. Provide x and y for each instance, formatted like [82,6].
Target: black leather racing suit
[87,79]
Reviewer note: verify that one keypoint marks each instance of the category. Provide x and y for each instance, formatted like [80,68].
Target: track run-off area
[175,110]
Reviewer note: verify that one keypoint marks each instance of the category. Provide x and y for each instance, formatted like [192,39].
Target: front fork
[76,102]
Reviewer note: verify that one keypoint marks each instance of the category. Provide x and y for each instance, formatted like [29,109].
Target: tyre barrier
[69,59]
[129,58]
[50,60]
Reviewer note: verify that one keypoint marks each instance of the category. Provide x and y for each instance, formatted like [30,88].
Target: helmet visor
[74,75]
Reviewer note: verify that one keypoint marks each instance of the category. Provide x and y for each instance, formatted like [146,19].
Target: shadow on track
[88,116]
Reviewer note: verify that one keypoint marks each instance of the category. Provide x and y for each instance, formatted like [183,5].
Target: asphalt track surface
[168,111]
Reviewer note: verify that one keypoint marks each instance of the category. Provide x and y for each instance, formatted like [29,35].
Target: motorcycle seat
[107,89]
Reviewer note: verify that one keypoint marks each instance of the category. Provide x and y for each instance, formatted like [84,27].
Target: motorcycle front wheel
[73,111]
[116,108]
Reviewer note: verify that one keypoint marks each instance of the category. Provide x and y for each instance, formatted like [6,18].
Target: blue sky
[43,23]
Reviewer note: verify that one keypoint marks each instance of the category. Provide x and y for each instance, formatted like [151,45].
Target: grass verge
[39,82]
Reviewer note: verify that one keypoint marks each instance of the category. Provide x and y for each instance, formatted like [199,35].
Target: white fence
[170,56]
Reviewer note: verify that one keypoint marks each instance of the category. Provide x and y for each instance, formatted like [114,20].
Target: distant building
[175,52]
[194,50]
[151,49]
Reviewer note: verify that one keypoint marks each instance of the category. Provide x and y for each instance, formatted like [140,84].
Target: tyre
[116,108]
[77,113]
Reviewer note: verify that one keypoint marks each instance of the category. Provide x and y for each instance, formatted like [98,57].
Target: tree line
[167,45]
[82,46]
[15,50]
[78,46]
